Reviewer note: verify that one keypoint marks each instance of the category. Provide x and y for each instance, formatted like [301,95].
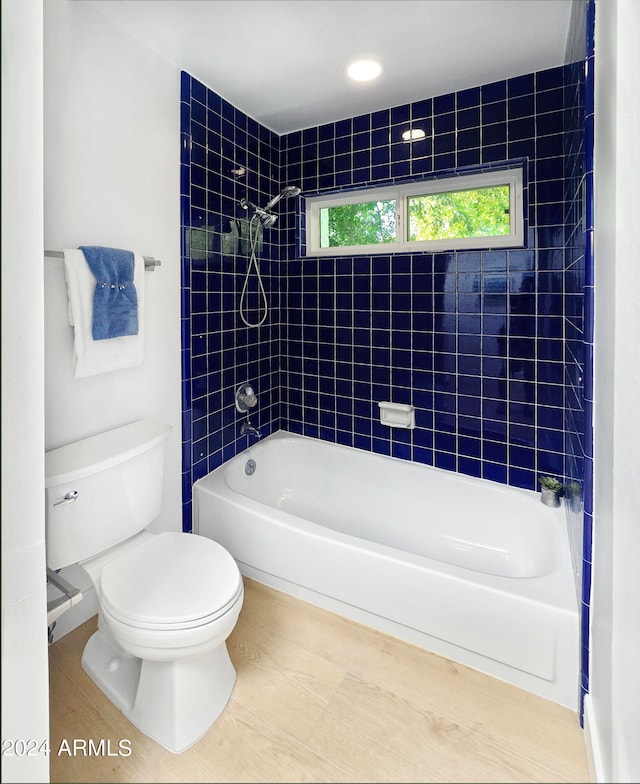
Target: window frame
[512,176]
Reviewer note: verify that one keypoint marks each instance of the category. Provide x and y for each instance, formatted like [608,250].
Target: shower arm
[272,203]
[286,192]
[245,204]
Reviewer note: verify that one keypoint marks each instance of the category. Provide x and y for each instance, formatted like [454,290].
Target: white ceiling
[282,61]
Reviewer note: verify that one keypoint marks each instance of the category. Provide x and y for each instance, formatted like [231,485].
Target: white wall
[25,700]
[613,706]
[111,150]
[111,166]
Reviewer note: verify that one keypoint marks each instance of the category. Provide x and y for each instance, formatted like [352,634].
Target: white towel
[99,356]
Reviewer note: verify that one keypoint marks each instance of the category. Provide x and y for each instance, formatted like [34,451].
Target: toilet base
[174,702]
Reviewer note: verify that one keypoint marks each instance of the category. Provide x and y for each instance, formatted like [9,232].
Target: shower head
[287,192]
[266,218]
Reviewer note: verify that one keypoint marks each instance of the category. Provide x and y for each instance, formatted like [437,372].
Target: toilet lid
[172,580]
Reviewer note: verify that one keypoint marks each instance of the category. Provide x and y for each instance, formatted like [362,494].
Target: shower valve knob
[245,398]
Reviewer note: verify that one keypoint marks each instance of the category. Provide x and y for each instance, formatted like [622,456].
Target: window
[471,211]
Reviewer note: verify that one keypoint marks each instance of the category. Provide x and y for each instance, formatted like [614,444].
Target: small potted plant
[551,488]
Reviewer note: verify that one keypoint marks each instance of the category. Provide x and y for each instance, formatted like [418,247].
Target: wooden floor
[322,699]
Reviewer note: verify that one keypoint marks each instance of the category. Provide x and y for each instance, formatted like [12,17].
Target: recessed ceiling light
[413,134]
[364,70]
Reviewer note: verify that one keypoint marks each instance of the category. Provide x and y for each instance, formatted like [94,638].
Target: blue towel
[115,301]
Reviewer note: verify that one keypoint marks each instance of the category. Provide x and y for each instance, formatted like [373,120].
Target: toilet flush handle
[68,498]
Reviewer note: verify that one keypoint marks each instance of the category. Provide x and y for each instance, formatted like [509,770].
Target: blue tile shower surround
[475,340]
[225,156]
[488,345]
[579,312]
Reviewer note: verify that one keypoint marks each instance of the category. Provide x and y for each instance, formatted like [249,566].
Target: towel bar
[70,596]
[149,262]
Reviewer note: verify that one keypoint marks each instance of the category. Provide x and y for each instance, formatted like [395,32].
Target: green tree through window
[358,224]
[481,212]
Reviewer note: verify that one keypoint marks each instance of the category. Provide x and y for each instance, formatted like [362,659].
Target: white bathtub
[472,570]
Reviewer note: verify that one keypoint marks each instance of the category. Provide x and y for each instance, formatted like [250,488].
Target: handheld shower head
[266,218]
[287,192]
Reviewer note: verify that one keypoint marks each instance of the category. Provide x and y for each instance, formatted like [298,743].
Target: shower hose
[254,230]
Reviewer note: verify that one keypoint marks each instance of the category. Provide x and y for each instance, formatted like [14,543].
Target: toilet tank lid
[104,450]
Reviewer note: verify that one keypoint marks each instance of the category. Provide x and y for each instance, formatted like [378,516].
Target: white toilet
[167,601]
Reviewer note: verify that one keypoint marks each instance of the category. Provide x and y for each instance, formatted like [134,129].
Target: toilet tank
[102,490]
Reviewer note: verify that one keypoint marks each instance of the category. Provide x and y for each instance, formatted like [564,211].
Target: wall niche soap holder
[397,415]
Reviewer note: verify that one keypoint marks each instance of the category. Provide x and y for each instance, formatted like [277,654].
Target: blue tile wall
[574,275]
[579,312]
[225,156]
[475,340]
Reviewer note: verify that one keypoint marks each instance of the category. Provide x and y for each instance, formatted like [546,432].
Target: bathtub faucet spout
[248,429]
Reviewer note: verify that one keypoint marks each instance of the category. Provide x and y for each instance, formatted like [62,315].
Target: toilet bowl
[167,601]
[167,605]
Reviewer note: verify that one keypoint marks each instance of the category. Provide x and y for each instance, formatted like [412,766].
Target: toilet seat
[171,581]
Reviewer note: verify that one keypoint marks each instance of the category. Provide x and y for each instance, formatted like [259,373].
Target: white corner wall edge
[592,741]
[25,693]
